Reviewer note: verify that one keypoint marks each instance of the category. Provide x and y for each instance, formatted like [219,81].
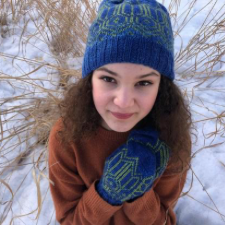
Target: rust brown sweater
[75,171]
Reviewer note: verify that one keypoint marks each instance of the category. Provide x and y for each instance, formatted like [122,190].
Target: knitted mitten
[131,169]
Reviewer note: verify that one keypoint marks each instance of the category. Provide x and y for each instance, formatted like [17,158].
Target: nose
[124,98]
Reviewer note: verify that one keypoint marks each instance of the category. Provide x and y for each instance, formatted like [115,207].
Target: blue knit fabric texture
[132,31]
[131,169]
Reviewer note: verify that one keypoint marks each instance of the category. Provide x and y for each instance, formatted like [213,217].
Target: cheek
[99,97]
[148,102]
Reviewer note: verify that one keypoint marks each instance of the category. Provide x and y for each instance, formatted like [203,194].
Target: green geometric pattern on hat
[133,18]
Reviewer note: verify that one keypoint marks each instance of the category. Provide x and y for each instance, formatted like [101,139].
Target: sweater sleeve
[156,206]
[74,203]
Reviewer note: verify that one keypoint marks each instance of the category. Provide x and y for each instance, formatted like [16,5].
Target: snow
[204,203]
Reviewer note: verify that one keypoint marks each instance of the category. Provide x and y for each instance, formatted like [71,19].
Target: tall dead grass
[26,118]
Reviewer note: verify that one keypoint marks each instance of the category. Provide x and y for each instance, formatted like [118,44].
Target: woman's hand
[131,169]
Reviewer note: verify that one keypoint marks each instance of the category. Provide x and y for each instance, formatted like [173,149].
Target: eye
[144,83]
[108,79]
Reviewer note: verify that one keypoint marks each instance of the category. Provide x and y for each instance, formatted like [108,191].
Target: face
[124,93]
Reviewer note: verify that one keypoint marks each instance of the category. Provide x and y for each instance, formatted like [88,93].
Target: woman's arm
[74,203]
[155,207]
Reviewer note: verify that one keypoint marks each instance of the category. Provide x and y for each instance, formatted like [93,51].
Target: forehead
[132,68]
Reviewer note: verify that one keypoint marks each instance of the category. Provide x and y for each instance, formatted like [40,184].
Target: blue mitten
[132,168]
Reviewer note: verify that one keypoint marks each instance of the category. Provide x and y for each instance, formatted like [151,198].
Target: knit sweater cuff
[100,208]
[148,204]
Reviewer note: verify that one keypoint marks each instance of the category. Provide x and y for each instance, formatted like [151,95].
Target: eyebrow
[115,74]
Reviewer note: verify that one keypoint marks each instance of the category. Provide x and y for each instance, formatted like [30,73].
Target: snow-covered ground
[203,204]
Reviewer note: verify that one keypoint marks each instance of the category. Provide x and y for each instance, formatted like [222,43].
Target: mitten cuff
[144,136]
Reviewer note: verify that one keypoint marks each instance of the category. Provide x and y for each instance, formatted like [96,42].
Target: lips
[122,116]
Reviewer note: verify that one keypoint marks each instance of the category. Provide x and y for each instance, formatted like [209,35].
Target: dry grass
[26,118]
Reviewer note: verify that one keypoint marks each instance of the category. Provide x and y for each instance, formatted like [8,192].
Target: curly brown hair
[170,116]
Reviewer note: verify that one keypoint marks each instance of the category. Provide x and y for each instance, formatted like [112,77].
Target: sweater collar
[110,134]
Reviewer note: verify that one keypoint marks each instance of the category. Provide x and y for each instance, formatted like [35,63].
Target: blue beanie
[131,31]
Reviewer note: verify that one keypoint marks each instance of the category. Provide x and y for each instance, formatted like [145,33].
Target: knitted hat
[132,31]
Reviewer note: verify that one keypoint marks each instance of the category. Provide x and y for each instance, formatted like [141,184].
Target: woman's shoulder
[60,155]
[56,130]
[55,145]
[57,126]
